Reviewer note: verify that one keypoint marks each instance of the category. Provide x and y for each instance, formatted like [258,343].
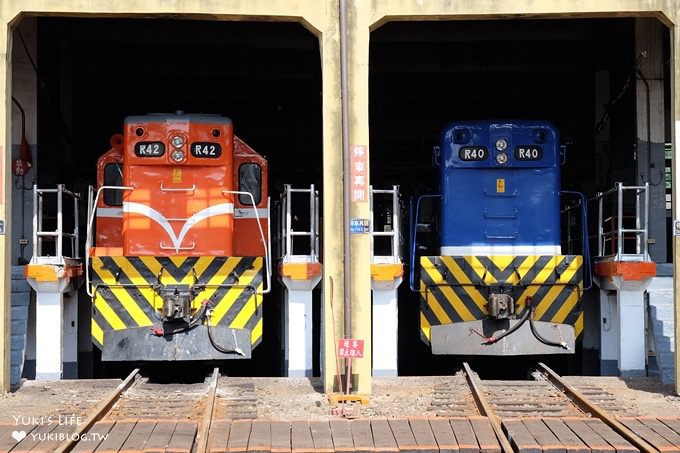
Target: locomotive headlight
[502,158]
[177,141]
[501,144]
[178,155]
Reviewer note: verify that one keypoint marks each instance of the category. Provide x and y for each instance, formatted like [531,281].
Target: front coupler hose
[214,343]
[544,340]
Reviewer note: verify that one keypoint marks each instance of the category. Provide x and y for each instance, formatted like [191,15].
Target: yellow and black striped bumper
[126,296]
[455,289]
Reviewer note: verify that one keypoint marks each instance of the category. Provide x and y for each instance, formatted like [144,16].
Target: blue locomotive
[499,284]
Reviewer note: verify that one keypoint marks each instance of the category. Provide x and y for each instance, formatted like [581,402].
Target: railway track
[176,416]
[546,413]
[546,396]
[537,397]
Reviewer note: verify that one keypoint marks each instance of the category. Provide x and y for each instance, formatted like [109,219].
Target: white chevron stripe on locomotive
[147,211]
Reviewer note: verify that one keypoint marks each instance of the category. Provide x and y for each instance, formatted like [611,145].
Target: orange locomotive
[179,255]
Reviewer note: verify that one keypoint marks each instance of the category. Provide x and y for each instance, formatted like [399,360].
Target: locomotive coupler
[176,302]
[500,306]
[177,298]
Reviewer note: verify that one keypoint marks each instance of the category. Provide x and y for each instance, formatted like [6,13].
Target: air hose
[522,320]
[542,339]
[214,343]
[203,313]
[528,314]
[160,332]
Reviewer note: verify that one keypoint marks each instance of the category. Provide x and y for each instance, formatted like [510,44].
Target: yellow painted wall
[5,207]
[675,120]
[322,18]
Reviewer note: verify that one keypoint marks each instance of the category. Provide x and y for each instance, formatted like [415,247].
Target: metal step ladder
[387,270]
[55,273]
[623,271]
[300,272]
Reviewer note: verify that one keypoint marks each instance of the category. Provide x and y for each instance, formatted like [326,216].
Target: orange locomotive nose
[180,202]
[178,263]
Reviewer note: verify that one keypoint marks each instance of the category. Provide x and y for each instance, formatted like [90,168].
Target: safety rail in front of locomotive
[623,271]
[55,273]
[299,270]
[203,299]
[55,246]
[387,271]
[623,223]
[56,263]
[298,220]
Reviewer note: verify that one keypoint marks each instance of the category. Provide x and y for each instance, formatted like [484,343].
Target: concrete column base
[385,332]
[297,318]
[385,279]
[622,325]
[56,323]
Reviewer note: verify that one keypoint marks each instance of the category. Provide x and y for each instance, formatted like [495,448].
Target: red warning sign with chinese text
[351,349]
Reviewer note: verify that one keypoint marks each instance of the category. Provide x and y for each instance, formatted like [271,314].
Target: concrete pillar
[5,207]
[300,280]
[358,39]
[675,139]
[385,279]
[333,255]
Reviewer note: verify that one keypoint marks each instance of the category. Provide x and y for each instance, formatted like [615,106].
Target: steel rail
[203,433]
[101,409]
[587,406]
[486,410]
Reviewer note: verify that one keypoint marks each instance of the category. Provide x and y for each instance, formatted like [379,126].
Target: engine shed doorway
[93,72]
[579,74]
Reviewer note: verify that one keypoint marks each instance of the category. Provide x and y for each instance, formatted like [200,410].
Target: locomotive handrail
[505,237]
[265,241]
[165,247]
[584,236]
[514,215]
[178,219]
[178,189]
[414,232]
[88,237]
[512,194]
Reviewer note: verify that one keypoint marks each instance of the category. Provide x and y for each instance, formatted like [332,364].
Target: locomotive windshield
[250,180]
